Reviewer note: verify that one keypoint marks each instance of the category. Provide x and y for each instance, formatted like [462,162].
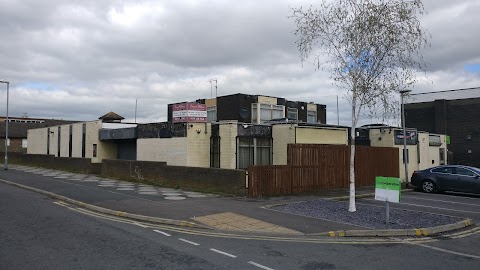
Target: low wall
[191,178]
[79,165]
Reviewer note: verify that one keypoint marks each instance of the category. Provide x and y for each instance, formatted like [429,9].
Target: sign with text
[411,137]
[189,112]
[387,189]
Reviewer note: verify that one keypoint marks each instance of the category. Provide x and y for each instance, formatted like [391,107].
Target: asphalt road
[37,232]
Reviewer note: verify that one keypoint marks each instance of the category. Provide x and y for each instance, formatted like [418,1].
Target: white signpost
[388,189]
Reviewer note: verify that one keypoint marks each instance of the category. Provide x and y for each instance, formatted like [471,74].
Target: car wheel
[428,186]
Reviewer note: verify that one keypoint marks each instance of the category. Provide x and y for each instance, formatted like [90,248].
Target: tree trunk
[351,207]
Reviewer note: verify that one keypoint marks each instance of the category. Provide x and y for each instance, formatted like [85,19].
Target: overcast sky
[77,60]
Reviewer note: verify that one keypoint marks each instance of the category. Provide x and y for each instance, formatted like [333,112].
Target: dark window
[245,153]
[58,144]
[254,151]
[70,144]
[94,150]
[442,156]
[84,128]
[465,172]
[48,141]
[443,170]
[215,152]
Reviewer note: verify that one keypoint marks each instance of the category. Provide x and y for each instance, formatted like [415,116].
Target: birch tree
[372,49]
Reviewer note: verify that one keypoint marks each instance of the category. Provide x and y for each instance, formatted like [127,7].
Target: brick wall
[191,178]
[80,165]
[15,145]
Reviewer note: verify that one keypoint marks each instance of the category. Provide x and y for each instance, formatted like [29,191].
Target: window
[267,112]
[465,172]
[70,143]
[24,143]
[84,131]
[442,170]
[292,113]
[263,151]
[94,150]
[245,153]
[212,114]
[311,116]
[254,112]
[215,152]
[254,151]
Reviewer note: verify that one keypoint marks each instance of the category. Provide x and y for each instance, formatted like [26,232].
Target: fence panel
[314,167]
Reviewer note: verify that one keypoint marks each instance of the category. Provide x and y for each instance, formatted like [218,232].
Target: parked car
[448,178]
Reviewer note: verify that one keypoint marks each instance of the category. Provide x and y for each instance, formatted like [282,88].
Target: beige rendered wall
[382,138]
[54,141]
[170,150]
[385,138]
[315,135]
[64,140]
[282,135]
[77,140]
[198,145]
[37,141]
[424,151]
[434,152]
[267,100]
[105,150]
[228,144]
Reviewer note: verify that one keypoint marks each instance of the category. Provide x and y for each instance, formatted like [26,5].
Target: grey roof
[111,116]
[19,130]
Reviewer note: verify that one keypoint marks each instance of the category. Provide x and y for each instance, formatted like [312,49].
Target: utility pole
[216,95]
[5,165]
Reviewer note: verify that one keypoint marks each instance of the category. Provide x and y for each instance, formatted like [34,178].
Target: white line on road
[164,233]
[433,200]
[190,242]
[141,225]
[259,265]
[445,250]
[223,253]
[433,207]
[60,203]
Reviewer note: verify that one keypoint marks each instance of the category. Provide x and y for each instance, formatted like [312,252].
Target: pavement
[193,209]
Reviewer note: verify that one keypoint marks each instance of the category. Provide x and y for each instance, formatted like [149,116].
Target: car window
[465,172]
[443,170]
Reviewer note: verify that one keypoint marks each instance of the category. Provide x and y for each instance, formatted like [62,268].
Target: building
[454,113]
[18,128]
[193,138]
[424,149]
[259,109]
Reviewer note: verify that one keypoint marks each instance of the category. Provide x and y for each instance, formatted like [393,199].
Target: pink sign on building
[190,112]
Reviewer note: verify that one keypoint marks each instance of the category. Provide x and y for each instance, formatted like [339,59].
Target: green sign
[448,139]
[387,189]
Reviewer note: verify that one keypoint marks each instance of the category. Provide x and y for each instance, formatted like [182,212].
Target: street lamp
[405,157]
[5,165]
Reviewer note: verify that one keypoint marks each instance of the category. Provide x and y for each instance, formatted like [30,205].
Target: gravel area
[368,216]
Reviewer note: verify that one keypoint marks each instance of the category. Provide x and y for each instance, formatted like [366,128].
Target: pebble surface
[368,216]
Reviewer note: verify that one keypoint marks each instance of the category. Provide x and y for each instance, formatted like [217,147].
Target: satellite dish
[243,113]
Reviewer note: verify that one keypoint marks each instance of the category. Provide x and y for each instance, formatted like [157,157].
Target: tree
[373,49]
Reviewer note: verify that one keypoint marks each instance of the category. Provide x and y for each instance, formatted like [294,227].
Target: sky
[77,60]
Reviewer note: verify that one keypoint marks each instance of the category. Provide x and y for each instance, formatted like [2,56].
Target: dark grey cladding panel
[249,130]
[162,130]
[117,134]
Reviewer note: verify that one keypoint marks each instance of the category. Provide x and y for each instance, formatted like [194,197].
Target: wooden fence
[314,167]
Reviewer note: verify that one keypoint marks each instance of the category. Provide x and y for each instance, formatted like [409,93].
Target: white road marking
[141,225]
[433,207]
[189,242]
[60,203]
[433,200]
[223,253]
[446,251]
[260,266]
[164,233]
